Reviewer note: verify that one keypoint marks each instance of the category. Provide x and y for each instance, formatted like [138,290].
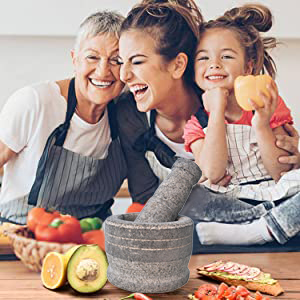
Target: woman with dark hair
[157,41]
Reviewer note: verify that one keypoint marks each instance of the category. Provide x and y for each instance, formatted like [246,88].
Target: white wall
[36,37]
[61,17]
[287,58]
[27,59]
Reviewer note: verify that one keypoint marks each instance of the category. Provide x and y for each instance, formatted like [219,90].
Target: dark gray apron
[70,182]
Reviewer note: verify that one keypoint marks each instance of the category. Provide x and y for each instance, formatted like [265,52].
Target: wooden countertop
[17,282]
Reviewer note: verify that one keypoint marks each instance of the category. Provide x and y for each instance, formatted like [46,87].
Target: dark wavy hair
[174,26]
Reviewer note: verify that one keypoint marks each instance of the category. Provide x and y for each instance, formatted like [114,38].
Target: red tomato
[204,297]
[135,207]
[259,296]
[230,293]
[221,290]
[95,237]
[206,292]
[242,291]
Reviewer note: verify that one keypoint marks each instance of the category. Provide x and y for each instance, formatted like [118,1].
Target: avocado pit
[87,270]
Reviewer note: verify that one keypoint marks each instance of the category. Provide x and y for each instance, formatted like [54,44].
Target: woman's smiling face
[144,70]
[97,70]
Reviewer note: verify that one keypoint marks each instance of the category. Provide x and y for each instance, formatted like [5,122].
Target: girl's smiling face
[219,59]
[144,70]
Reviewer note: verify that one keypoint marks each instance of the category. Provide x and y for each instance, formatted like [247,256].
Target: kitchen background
[36,37]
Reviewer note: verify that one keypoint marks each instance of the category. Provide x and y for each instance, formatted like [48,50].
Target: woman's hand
[263,114]
[289,143]
[215,99]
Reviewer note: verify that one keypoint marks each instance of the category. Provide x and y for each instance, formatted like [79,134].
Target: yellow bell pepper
[249,87]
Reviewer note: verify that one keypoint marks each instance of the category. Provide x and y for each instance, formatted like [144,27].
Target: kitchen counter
[17,282]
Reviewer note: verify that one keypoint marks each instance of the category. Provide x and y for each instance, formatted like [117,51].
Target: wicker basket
[30,251]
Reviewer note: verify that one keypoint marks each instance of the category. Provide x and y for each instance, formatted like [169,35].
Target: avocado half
[87,269]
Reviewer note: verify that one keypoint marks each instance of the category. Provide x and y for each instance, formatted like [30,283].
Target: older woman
[157,45]
[58,139]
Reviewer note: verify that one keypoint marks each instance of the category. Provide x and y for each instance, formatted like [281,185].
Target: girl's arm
[211,153]
[266,136]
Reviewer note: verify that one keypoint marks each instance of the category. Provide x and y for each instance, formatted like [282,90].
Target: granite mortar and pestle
[149,252]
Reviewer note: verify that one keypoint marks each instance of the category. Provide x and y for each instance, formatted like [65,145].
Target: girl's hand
[222,182]
[263,114]
[289,143]
[215,99]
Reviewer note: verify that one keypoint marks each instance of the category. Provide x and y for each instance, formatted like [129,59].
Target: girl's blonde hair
[248,22]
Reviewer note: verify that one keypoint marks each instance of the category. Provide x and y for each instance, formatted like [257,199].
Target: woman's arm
[289,143]
[270,153]
[5,154]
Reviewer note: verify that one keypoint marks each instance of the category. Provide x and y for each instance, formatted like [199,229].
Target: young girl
[232,141]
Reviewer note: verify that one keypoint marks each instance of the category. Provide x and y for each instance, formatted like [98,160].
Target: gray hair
[97,23]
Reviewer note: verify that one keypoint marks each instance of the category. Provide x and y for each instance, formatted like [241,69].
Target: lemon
[54,269]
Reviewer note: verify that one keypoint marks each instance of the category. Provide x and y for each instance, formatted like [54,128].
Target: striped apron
[250,180]
[70,182]
[159,155]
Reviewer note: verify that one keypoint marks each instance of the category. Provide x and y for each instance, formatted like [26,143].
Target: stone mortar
[149,252]
[149,257]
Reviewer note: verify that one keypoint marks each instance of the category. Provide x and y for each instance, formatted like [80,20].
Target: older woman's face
[145,72]
[97,70]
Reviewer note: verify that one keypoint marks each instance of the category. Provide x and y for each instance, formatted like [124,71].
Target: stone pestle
[149,252]
[170,196]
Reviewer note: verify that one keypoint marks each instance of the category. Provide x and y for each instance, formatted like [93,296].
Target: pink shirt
[193,130]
